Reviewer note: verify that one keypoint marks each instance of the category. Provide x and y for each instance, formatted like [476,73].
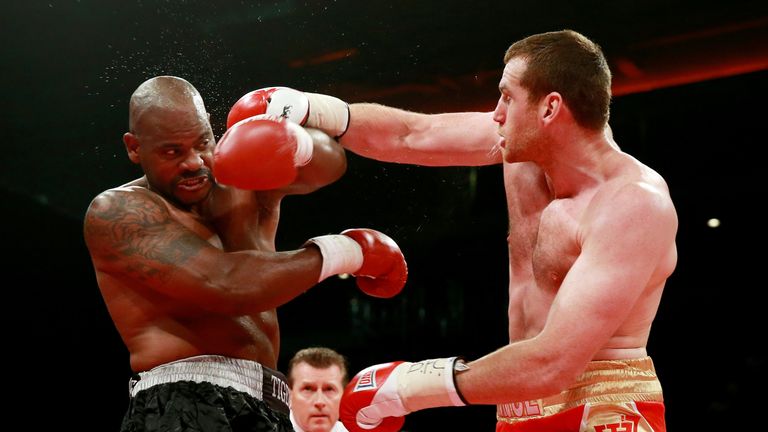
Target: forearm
[520,371]
[378,131]
[379,396]
[394,135]
[248,281]
[256,281]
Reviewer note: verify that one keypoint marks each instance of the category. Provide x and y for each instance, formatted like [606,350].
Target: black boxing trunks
[610,396]
[208,393]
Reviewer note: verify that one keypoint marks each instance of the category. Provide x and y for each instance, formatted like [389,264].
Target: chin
[189,198]
[320,427]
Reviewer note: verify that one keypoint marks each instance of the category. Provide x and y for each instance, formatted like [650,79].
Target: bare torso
[544,243]
[157,329]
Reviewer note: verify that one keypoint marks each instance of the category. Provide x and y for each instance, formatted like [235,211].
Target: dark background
[690,87]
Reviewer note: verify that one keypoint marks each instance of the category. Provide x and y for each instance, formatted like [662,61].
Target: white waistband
[243,375]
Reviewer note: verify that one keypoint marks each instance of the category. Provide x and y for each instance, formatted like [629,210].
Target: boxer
[188,268]
[591,247]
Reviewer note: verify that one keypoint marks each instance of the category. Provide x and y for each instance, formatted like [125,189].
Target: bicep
[621,249]
[138,242]
[594,298]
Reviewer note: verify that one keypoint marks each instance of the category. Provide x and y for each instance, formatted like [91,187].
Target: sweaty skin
[591,232]
[187,266]
[157,324]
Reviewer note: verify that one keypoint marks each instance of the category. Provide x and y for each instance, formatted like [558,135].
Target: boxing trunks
[208,393]
[610,396]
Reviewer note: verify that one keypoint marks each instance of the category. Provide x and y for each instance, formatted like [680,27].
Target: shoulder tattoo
[139,232]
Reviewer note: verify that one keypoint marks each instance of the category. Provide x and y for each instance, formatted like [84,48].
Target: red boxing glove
[378,398]
[360,393]
[319,111]
[384,270]
[261,153]
[290,104]
[371,256]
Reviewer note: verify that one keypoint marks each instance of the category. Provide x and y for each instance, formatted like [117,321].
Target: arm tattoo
[141,235]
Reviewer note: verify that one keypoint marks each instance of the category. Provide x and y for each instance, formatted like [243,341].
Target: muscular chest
[556,246]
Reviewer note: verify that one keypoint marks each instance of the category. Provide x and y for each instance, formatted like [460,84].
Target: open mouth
[193,184]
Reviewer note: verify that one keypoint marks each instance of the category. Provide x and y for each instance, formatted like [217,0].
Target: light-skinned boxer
[591,246]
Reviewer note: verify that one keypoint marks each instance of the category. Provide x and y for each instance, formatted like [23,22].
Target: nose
[320,399]
[500,113]
[193,161]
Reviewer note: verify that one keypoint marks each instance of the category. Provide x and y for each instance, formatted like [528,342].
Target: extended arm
[381,132]
[393,135]
[133,238]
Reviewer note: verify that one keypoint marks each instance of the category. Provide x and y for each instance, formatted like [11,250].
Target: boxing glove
[378,397]
[371,256]
[261,153]
[319,111]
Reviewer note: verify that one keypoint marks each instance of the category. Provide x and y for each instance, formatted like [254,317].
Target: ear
[132,146]
[551,107]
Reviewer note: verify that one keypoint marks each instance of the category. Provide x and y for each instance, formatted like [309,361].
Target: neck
[296,426]
[576,163]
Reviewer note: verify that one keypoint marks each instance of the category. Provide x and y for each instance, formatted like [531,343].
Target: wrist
[430,383]
[328,113]
[340,254]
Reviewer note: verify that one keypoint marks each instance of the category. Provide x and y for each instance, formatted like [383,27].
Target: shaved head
[170,136]
[163,95]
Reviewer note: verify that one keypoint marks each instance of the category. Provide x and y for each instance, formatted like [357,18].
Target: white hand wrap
[412,387]
[327,113]
[340,253]
[428,384]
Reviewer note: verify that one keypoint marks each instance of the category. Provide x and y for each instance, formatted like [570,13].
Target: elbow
[328,164]
[551,379]
[558,377]
[225,300]
[331,173]
[558,372]
[224,293]
[339,165]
